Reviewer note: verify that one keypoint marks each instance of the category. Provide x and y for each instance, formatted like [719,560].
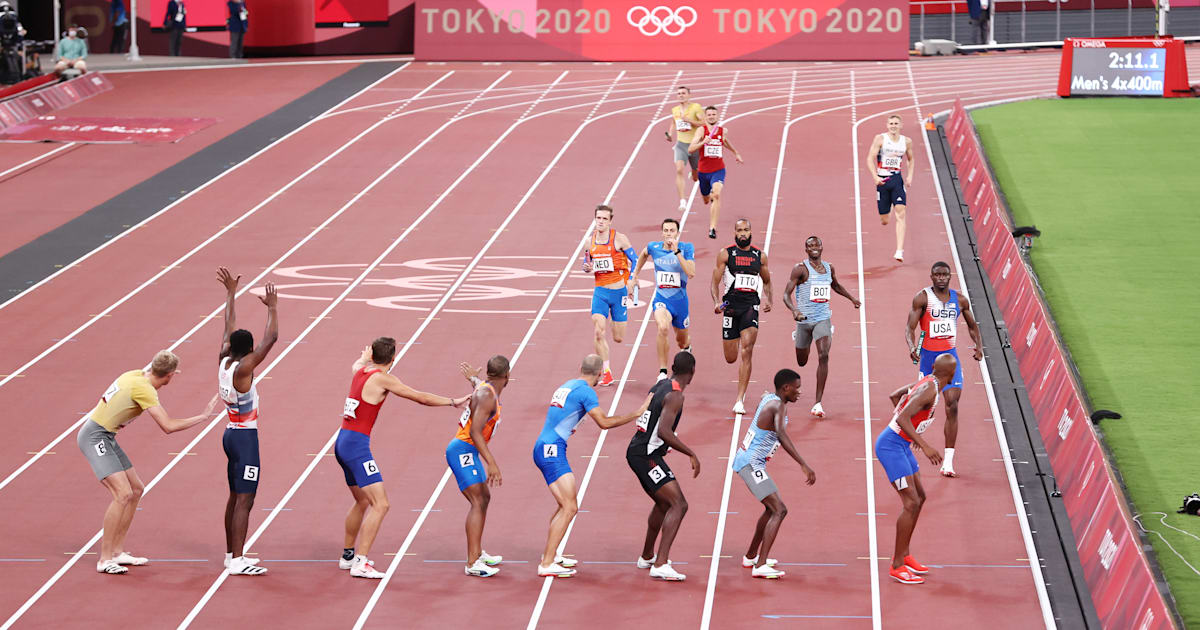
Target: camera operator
[11,36]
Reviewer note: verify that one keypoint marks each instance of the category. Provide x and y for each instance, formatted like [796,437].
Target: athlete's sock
[949,460]
[662,370]
[228,557]
[606,368]
[348,553]
[687,349]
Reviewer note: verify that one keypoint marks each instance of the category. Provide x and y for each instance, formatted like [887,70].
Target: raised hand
[227,279]
[270,298]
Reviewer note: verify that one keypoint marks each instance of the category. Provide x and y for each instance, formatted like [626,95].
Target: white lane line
[1039,581]
[13,475]
[265,64]
[536,614]
[710,590]
[872,533]
[37,159]
[199,188]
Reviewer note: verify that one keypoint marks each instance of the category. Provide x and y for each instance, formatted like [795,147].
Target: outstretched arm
[230,283]
[270,336]
[786,442]
[171,425]
[393,385]
[610,422]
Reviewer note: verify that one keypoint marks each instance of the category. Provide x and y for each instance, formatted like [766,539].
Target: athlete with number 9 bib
[468,454]
[370,385]
[935,310]
[767,432]
[914,406]
[674,265]
[569,404]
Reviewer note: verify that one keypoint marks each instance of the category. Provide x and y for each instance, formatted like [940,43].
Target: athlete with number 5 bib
[894,447]
[569,404]
[767,432]
[674,265]
[235,385]
[468,454]
[935,310]
[369,387]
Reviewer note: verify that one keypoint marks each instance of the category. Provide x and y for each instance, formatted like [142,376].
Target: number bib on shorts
[668,280]
[819,293]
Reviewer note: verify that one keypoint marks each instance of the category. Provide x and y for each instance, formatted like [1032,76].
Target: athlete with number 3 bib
[569,404]
[368,388]
[767,432]
[468,454]
[935,310]
[914,406]
[674,265]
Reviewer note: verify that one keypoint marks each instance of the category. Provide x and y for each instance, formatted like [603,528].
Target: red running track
[459,249]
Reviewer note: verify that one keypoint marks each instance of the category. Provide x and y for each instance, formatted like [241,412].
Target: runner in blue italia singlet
[674,265]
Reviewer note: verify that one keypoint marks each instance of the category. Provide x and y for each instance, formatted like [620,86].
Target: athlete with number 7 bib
[369,387]
[914,406]
[936,309]
[569,404]
[767,432]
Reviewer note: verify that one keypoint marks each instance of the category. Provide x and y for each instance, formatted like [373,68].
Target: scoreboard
[1123,67]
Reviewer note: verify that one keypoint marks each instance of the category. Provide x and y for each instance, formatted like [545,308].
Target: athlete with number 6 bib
[767,432]
[674,265]
[807,296]
[914,406]
[369,387]
[235,385]
[935,310]
[468,453]
[569,404]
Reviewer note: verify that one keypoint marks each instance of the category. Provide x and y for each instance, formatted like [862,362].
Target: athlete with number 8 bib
[935,310]
[370,385]
[468,453]
[674,265]
[235,385]
[569,404]
[914,406]
[766,433]
[609,256]
[743,269]
[888,151]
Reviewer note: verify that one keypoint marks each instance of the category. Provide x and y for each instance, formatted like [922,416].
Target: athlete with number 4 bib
[609,257]
[674,265]
[468,454]
[884,158]
[569,404]
[914,406]
[235,384]
[809,289]
[767,432]
[935,310]
[714,139]
[368,388]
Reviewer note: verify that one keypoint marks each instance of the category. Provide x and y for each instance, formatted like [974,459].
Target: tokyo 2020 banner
[678,30]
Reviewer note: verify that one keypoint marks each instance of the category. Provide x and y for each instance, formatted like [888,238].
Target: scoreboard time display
[1122,67]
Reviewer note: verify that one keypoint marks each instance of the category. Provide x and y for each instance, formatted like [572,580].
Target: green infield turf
[1112,183]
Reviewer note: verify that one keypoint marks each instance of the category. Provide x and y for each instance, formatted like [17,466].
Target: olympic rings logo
[661,19]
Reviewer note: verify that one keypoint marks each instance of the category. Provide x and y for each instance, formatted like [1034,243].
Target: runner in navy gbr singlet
[654,438]
[743,268]
[884,158]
